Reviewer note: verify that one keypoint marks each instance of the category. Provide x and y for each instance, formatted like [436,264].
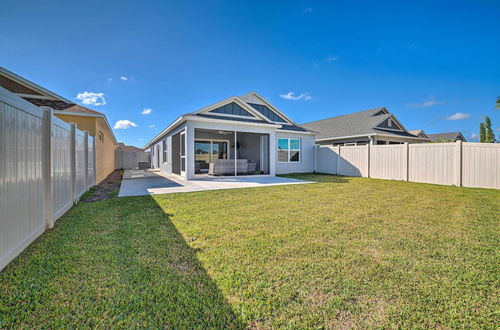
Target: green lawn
[344,252]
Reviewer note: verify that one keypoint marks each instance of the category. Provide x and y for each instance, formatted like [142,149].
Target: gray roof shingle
[449,136]
[358,123]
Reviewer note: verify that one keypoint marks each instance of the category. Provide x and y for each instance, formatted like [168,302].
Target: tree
[489,135]
[482,133]
[498,103]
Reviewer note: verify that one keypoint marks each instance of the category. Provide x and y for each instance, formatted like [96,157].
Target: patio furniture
[251,167]
[226,166]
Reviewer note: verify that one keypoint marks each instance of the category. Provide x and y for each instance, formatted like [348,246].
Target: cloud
[308,10]
[91,98]
[124,78]
[152,126]
[291,96]
[147,111]
[124,124]
[332,58]
[429,103]
[473,136]
[458,116]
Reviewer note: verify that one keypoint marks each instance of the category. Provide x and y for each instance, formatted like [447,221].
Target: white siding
[307,156]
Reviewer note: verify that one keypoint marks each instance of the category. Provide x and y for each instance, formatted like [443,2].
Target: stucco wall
[105,151]
[307,157]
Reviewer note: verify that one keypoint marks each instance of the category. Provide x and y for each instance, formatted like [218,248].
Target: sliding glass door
[207,151]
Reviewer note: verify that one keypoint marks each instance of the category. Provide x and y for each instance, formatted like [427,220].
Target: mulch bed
[107,189]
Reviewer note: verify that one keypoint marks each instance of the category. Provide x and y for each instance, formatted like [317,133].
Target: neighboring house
[237,136]
[86,119]
[447,137]
[122,147]
[129,157]
[420,133]
[374,126]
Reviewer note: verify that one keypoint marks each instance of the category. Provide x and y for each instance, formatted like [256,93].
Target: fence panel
[481,165]
[389,161]
[22,217]
[62,185]
[353,161]
[91,162]
[80,165]
[130,159]
[326,160]
[433,163]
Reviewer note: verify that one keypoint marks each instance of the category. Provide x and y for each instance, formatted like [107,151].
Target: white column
[235,153]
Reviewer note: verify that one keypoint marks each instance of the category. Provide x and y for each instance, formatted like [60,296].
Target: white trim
[30,84]
[371,135]
[244,123]
[227,115]
[294,132]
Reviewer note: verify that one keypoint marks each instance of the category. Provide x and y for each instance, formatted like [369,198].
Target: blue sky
[435,65]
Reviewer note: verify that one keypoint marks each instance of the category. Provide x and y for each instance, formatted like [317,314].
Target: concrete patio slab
[146,182]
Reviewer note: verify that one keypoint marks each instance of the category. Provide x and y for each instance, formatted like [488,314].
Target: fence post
[368,160]
[458,164]
[94,182]
[338,160]
[407,161]
[47,167]
[86,157]
[73,160]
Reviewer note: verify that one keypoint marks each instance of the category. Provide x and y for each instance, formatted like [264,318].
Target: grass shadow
[119,262]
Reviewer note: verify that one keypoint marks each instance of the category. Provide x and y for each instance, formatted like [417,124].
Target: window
[101,136]
[389,122]
[288,150]
[164,149]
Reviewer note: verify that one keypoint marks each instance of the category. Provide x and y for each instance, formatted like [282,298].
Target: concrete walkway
[146,182]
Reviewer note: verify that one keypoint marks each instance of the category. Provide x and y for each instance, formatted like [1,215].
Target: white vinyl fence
[130,159]
[45,165]
[461,164]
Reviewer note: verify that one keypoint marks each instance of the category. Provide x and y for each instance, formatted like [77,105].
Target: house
[447,137]
[120,146]
[86,119]
[374,126]
[241,135]
[420,133]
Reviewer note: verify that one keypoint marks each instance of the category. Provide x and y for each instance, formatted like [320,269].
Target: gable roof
[29,85]
[362,123]
[42,97]
[448,136]
[256,98]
